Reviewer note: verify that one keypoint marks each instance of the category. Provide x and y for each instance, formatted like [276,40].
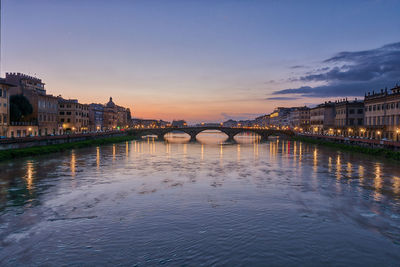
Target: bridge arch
[194,131]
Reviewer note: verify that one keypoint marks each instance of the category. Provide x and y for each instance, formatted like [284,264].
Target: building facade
[73,116]
[382,114]
[45,107]
[280,117]
[4,108]
[322,118]
[300,119]
[96,116]
[349,117]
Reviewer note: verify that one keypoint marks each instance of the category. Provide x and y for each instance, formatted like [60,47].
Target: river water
[176,202]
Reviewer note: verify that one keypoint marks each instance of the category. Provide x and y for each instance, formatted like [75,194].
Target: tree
[19,108]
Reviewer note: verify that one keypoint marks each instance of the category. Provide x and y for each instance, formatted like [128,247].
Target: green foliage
[40,150]
[383,152]
[19,107]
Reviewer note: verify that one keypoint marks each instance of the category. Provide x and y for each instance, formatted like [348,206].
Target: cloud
[282,98]
[352,73]
[297,67]
[240,116]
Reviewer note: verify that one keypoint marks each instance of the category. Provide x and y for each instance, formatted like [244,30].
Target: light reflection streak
[238,152]
[300,152]
[168,148]
[255,150]
[295,151]
[338,173]
[98,158]
[330,164]
[184,150]
[315,161]
[221,154]
[338,168]
[361,173]
[349,170]
[113,152]
[30,171]
[202,152]
[377,181]
[396,185]
[73,163]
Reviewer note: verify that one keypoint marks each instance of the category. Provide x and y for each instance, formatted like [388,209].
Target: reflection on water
[148,202]
[29,174]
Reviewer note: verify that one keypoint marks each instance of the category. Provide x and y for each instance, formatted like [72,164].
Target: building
[96,117]
[179,123]
[349,117]
[322,118]
[45,107]
[262,121]
[110,116]
[382,114]
[74,116]
[280,117]
[299,119]
[4,107]
[143,123]
[116,117]
[230,123]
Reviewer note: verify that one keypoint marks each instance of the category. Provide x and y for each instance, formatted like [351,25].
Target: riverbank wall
[38,141]
[355,141]
[387,149]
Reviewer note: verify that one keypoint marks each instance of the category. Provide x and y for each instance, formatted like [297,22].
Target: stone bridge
[194,131]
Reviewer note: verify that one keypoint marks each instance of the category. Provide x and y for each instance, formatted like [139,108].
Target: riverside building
[382,114]
[4,107]
[349,118]
[322,118]
[74,116]
[45,107]
[300,118]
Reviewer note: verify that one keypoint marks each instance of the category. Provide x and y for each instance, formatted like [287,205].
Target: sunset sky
[203,60]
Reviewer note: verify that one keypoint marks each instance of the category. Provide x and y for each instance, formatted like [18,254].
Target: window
[68,120]
[1,92]
[62,112]
[351,111]
[360,111]
[62,120]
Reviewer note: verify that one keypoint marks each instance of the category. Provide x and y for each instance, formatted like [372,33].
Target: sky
[204,60]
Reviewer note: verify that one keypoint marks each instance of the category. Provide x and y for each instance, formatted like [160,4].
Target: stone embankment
[35,141]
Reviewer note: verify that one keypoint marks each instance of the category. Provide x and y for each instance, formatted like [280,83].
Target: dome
[110,103]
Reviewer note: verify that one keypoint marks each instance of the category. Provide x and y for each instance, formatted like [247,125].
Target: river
[149,202]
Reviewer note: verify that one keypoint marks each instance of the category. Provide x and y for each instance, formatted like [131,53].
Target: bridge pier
[160,137]
[264,137]
[193,138]
[231,138]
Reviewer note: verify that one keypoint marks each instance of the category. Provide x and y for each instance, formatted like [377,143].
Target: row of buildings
[376,117]
[54,115]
